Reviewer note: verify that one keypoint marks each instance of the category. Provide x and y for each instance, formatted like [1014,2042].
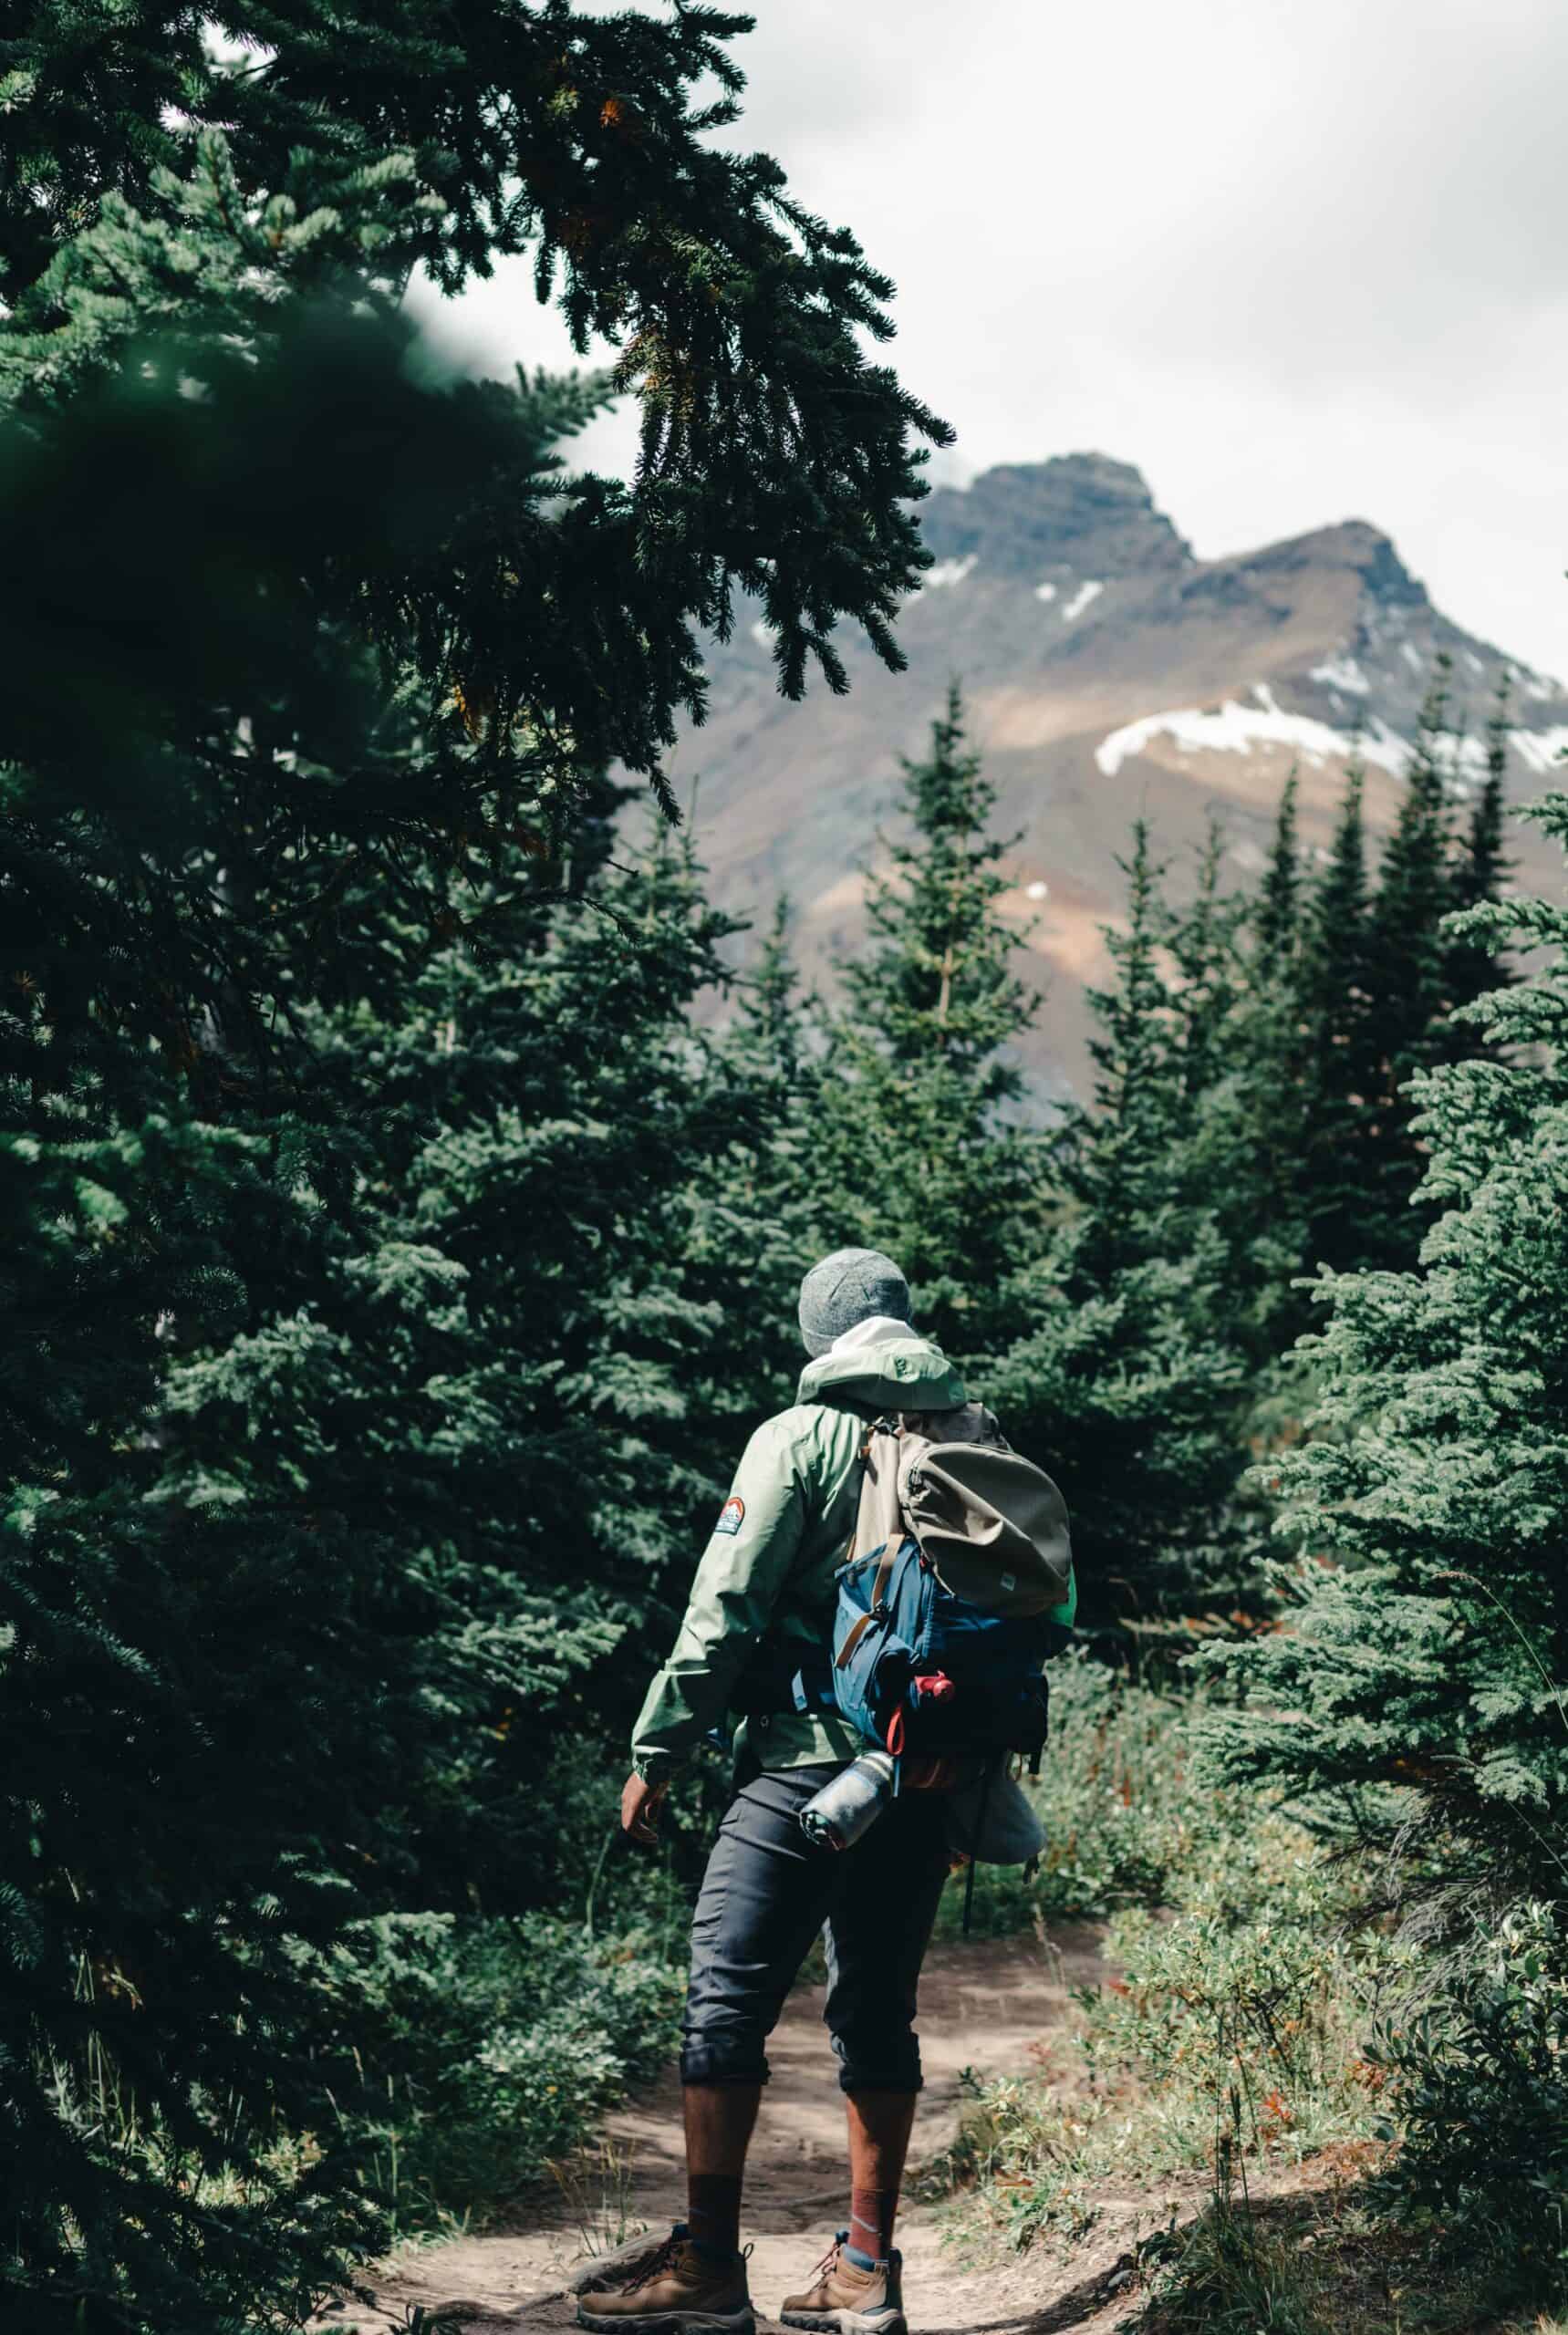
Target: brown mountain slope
[1108,672]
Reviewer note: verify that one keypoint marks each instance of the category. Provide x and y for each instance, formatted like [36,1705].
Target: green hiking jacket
[770,1564]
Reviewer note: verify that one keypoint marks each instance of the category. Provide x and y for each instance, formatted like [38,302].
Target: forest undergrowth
[1326,2115]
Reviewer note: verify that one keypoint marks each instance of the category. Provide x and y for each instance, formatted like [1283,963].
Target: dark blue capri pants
[765,1894]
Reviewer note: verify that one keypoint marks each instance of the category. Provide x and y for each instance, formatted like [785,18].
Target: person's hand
[639,1805]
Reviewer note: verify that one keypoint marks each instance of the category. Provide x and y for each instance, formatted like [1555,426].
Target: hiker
[767,1579]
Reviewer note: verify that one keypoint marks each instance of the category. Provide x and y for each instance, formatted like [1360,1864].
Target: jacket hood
[906,1373]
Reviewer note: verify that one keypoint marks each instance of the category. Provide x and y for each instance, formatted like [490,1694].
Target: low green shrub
[1255,1976]
[1226,2274]
[481,2051]
[461,2057]
[1326,2262]
[1478,2095]
[1256,2013]
[1241,1984]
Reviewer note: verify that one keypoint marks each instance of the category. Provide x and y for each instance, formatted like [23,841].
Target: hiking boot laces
[660,2263]
[829,2262]
[664,2259]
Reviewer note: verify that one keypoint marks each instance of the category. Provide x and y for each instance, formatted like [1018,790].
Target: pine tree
[422,1451]
[1276,1073]
[491,1379]
[770,1024]
[1408,986]
[941,980]
[1382,984]
[1205,945]
[750,1226]
[1237,958]
[1415,1702]
[1336,979]
[1133,1052]
[1277,922]
[915,1144]
[776,459]
[1474,967]
[1120,1373]
[198,1751]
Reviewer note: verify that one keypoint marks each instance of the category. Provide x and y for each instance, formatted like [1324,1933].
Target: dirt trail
[982,2006]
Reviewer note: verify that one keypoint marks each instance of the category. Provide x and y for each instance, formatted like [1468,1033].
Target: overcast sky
[1300,260]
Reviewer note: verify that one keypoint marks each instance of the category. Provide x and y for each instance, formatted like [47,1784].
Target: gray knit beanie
[850,1286]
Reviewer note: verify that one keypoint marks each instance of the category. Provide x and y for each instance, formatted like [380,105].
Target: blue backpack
[950,1597]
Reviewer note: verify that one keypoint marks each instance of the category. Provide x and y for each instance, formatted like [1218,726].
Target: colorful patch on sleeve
[731,1516]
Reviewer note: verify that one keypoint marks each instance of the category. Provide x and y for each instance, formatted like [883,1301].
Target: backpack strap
[852,1640]
[879,1591]
[873,1427]
[884,1575]
[895,1429]
[883,1426]
[993,1764]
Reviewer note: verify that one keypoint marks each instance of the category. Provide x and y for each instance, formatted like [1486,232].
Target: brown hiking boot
[846,2300]
[623,2262]
[680,2287]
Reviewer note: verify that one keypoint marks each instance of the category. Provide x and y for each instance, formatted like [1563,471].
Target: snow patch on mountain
[946,571]
[1045,591]
[1342,673]
[1080,601]
[1542,750]
[1236,729]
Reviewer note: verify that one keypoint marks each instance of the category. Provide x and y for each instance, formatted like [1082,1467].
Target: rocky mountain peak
[1076,516]
[1108,674]
[1364,551]
[1386,574]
